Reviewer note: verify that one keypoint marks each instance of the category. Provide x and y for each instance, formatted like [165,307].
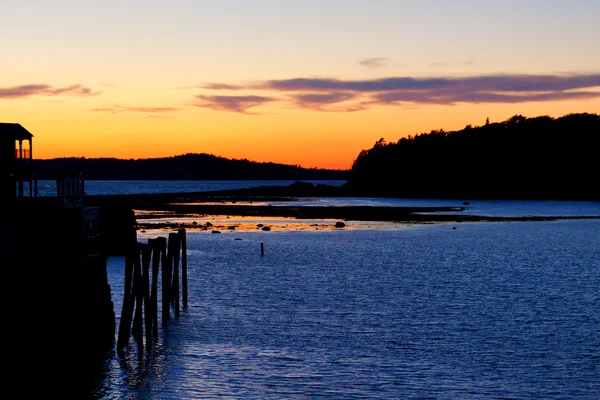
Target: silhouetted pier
[145,263]
[53,250]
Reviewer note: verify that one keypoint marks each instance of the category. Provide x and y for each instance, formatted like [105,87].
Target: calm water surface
[496,208]
[476,207]
[48,188]
[486,311]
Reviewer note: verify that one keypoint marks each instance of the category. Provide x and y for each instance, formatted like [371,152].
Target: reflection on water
[232,224]
[490,310]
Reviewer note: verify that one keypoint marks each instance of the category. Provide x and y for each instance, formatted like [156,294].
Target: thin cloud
[118,109]
[212,86]
[512,83]
[439,64]
[323,98]
[23,91]
[326,94]
[221,86]
[374,62]
[150,109]
[324,102]
[238,104]
[450,98]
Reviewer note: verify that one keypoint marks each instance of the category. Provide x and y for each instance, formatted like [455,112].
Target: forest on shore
[520,158]
[182,167]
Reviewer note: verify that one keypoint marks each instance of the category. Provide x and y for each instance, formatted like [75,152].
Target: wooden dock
[145,264]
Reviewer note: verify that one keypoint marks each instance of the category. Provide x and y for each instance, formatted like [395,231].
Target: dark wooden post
[175,281]
[20,175]
[184,283]
[32,191]
[262,249]
[128,303]
[166,283]
[146,256]
[139,298]
[163,261]
[156,247]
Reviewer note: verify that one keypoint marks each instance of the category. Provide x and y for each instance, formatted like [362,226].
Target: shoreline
[252,203]
[187,216]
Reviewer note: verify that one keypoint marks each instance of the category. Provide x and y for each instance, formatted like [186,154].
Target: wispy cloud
[329,94]
[22,91]
[214,86]
[374,62]
[449,97]
[118,109]
[323,98]
[328,102]
[512,83]
[238,104]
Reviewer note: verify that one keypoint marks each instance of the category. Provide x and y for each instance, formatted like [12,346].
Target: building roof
[14,131]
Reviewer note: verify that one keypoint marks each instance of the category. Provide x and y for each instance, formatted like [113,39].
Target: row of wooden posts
[140,300]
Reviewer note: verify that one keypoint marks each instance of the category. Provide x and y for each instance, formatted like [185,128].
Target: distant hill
[183,167]
[520,158]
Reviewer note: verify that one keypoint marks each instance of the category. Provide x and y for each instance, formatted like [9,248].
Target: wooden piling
[175,280]
[166,281]
[138,292]
[156,254]
[140,302]
[184,279]
[262,249]
[128,304]
[163,263]
[146,257]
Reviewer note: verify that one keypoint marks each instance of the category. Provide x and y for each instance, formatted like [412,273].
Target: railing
[71,190]
[26,153]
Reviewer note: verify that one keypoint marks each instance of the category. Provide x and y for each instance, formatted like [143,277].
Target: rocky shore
[252,203]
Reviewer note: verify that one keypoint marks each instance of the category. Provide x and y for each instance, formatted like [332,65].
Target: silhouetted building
[56,291]
[15,161]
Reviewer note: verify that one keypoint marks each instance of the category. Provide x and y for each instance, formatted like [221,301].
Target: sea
[100,187]
[490,310]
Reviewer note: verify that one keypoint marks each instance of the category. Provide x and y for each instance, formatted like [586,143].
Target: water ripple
[504,311]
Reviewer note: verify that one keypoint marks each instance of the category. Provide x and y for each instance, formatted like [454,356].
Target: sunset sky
[298,82]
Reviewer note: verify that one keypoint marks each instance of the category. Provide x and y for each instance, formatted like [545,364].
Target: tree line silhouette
[182,167]
[525,158]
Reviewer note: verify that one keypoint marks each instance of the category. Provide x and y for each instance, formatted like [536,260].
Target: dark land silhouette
[182,167]
[520,158]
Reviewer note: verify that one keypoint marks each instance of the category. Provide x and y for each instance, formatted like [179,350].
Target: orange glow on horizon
[311,139]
